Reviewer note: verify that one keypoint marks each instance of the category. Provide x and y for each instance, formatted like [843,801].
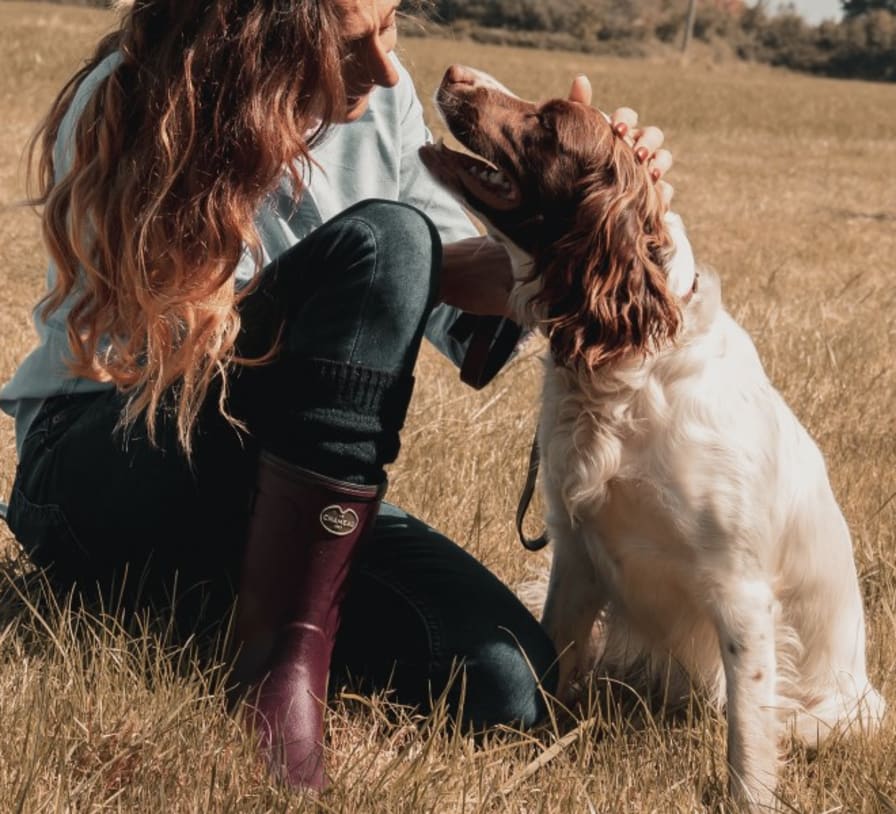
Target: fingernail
[642,153]
[620,129]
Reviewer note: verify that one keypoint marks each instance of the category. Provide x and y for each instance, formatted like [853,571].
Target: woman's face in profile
[369,34]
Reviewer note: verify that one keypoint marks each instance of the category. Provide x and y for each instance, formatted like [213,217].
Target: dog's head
[555,181]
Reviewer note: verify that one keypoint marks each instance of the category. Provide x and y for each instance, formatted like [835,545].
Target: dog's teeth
[494,178]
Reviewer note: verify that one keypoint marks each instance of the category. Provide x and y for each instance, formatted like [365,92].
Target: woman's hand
[645,141]
[476,276]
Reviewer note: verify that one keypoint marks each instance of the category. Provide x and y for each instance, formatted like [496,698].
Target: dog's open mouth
[477,180]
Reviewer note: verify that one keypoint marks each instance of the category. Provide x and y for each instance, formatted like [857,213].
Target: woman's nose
[382,69]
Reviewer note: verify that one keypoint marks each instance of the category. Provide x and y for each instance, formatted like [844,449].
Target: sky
[814,10]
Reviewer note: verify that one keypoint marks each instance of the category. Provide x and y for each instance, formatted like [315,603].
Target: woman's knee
[366,283]
[404,276]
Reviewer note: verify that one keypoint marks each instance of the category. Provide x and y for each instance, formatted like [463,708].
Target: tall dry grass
[787,185]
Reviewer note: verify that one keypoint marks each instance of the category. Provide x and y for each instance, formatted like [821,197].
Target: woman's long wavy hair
[211,102]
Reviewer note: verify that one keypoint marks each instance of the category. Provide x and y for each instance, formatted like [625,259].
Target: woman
[245,255]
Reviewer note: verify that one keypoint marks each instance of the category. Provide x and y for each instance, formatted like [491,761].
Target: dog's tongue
[680,269]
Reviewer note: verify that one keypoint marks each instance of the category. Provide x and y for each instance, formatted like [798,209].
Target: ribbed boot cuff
[284,470]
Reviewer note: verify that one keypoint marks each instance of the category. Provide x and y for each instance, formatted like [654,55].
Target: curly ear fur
[603,281]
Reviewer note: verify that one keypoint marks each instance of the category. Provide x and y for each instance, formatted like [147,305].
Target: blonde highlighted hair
[210,103]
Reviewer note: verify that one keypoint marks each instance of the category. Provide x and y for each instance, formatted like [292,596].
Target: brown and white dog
[690,513]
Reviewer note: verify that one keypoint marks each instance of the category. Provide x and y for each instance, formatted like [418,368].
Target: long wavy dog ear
[604,282]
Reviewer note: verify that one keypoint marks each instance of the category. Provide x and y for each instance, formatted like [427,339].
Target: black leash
[530,543]
[490,343]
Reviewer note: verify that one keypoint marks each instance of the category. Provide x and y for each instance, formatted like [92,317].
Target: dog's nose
[460,75]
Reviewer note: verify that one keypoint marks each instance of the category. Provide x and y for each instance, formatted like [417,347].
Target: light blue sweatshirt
[373,157]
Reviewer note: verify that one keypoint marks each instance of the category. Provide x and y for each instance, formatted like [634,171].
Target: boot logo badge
[339,521]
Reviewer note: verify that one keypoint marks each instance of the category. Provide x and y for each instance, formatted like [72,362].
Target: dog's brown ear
[603,282]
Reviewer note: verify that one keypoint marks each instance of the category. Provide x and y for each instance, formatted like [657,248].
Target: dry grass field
[787,184]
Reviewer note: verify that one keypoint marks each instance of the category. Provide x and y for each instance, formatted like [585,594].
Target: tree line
[861,45]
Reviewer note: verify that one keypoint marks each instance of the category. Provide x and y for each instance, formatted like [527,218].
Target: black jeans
[91,503]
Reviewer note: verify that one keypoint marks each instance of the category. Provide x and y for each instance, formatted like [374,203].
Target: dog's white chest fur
[691,515]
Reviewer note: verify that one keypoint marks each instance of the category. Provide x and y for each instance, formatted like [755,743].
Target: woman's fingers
[660,164]
[625,123]
[647,141]
[647,144]
[580,90]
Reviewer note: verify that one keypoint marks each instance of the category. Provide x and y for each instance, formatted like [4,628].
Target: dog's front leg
[745,611]
[575,597]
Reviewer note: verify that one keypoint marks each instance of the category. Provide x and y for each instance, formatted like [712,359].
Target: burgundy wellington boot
[303,532]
